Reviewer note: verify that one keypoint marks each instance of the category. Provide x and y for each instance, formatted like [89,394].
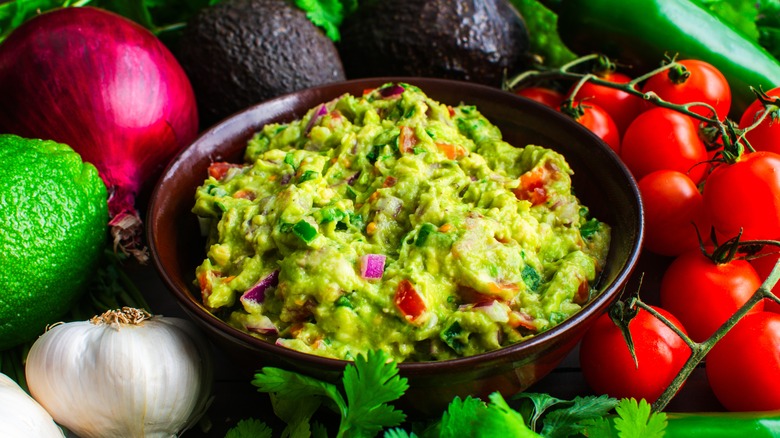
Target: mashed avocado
[391,221]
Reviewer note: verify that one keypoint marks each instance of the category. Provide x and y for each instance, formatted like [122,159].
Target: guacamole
[391,221]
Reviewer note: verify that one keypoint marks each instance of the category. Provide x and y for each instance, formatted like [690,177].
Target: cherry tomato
[663,139]
[600,123]
[673,205]
[705,83]
[546,96]
[763,266]
[704,294]
[621,106]
[743,368]
[765,136]
[607,364]
[745,195]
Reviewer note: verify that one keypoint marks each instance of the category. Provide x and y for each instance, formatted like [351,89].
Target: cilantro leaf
[636,420]
[327,14]
[369,384]
[569,421]
[461,416]
[250,428]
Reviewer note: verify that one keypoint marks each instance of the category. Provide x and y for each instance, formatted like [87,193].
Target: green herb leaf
[570,421]
[327,14]
[637,420]
[250,428]
[369,385]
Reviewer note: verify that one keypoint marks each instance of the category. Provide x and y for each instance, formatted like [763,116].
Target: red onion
[256,293]
[391,91]
[108,88]
[372,266]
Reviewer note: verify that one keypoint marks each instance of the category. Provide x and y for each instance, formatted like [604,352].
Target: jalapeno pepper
[723,425]
[640,33]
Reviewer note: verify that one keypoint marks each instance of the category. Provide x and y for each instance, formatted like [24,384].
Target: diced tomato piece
[390,181]
[409,301]
[406,140]
[452,151]
[471,296]
[219,169]
[244,194]
[532,186]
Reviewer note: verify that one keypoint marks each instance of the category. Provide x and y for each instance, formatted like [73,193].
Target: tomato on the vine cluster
[703,294]
[765,136]
[693,81]
[743,368]
[607,364]
[664,139]
[674,210]
[621,106]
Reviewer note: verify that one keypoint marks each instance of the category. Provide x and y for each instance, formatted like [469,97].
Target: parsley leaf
[250,428]
[636,420]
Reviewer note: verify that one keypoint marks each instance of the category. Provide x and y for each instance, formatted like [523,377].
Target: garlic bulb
[21,416]
[122,374]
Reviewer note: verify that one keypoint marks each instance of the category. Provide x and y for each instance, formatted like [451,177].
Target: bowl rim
[592,309]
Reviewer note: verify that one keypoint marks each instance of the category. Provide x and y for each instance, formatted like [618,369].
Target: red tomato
[766,136]
[705,84]
[743,368]
[600,123]
[409,301]
[621,106]
[745,195]
[545,96]
[672,205]
[704,294]
[763,266]
[607,364]
[664,139]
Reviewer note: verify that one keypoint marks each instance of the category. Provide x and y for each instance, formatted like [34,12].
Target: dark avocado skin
[471,40]
[241,52]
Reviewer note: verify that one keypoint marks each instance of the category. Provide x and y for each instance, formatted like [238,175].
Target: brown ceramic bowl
[600,181]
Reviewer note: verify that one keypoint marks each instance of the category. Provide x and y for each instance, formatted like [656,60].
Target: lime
[53,222]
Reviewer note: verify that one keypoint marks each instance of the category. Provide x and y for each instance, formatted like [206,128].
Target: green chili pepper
[542,25]
[640,33]
[723,424]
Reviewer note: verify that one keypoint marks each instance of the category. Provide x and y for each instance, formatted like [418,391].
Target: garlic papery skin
[21,416]
[123,374]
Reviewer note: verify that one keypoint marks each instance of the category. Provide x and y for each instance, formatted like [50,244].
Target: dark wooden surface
[236,399]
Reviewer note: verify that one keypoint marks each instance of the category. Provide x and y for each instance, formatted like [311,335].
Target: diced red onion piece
[372,266]
[256,293]
[352,178]
[321,111]
[391,91]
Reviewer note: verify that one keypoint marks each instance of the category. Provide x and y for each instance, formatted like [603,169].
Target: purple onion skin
[103,85]
[257,292]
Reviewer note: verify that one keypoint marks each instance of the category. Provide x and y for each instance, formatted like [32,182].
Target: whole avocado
[241,52]
[471,40]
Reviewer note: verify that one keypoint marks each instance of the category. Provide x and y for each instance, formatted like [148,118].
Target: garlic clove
[21,416]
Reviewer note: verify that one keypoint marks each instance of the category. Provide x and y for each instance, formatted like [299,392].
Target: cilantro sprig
[371,384]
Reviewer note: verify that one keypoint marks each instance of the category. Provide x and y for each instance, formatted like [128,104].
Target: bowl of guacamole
[470,234]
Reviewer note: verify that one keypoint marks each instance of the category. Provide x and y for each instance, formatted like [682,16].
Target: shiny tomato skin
[621,106]
[763,265]
[705,84]
[600,123]
[703,294]
[663,139]
[765,136]
[545,96]
[743,368]
[607,364]
[674,209]
[745,195]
